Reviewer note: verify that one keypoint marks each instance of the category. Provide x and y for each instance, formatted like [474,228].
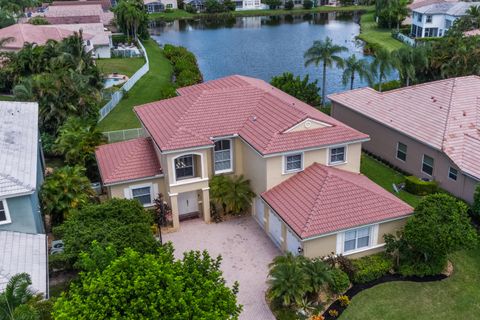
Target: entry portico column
[174,205]
[206,204]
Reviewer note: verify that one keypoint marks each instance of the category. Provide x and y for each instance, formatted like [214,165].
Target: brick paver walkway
[246,251]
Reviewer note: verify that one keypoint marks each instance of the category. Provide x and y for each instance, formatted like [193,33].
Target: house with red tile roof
[429,130]
[302,164]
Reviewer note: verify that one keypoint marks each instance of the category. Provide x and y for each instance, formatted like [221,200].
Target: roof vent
[254,118]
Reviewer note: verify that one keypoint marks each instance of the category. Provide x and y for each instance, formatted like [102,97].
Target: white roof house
[434,20]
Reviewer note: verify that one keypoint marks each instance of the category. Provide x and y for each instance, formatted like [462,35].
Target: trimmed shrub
[307,4]
[371,267]
[59,261]
[184,64]
[289,5]
[389,85]
[339,282]
[419,187]
[190,9]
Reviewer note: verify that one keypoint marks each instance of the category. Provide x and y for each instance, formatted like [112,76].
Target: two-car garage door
[275,227]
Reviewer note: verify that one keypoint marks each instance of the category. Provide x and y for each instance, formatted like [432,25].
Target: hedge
[184,64]
[371,267]
[339,282]
[419,187]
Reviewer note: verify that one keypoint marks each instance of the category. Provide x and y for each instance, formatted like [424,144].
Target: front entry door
[187,203]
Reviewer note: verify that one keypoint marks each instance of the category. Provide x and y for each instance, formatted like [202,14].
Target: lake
[263,47]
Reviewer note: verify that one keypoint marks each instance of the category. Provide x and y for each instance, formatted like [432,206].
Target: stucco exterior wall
[117,191]
[103,52]
[254,168]
[384,142]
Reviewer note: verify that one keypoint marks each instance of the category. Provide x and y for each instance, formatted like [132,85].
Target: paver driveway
[246,251]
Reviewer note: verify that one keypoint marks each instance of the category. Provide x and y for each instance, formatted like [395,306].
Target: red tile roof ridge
[448,119]
[132,153]
[316,202]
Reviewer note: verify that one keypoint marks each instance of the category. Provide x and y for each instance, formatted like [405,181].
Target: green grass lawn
[126,66]
[6,98]
[147,89]
[455,298]
[375,36]
[183,15]
[385,177]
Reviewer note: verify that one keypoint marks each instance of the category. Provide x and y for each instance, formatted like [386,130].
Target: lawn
[126,66]
[149,88]
[6,98]
[385,177]
[455,298]
[183,15]
[377,37]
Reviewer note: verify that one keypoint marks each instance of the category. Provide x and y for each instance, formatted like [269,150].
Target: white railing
[405,39]
[118,95]
[122,135]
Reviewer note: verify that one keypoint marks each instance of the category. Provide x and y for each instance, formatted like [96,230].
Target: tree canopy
[301,89]
[151,286]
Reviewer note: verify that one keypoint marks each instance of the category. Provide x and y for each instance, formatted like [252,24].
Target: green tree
[239,195]
[289,5]
[6,18]
[77,140]
[64,191]
[307,4]
[408,61]
[325,52]
[301,89]
[318,273]
[118,223]
[354,66]
[218,190]
[272,4]
[390,12]
[152,286]
[382,66]
[131,18]
[476,202]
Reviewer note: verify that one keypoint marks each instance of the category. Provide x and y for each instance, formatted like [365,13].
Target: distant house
[198,5]
[434,20]
[55,11]
[431,130]
[27,33]
[302,165]
[106,4]
[22,235]
[153,6]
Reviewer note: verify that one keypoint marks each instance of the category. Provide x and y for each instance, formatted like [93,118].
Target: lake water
[263,47]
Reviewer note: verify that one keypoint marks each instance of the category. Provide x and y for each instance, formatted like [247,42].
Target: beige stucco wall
[384,142]
[254,168]
[117,191]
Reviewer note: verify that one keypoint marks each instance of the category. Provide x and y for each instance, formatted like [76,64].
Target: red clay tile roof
[73,20]
[443,114]
[256,111]
[106,4]
[127,160]
[322,199]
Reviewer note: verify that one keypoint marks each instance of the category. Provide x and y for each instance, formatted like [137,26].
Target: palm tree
[382,65]
[473,14]
[318,273]
[287,281]
[325,52]
[13,301]
[408,61]
[239,195]
[218,190]
[354,66]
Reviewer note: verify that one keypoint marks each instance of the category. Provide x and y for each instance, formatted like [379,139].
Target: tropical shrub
[65,191]
[289,5]
[272,4]
[371,267]
[419,187]
[151,286]
[307,4]
[233,194]
[342,262]
[344,301]
[184,65]
[120,223]
[38,21]
[476,202]
[339,281]
[301,89]
[190,9]
[389,85]
[333,313]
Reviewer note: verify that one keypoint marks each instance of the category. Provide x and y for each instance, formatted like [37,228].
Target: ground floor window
[143,195]
[402,151]
[431,32]
[427,165]
[356,239]
[4,215]
[169,6]
[452,173]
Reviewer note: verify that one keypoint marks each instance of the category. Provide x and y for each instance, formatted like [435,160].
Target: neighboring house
[101,43]
[153,6]
[434,20]
[27,33]
[302,164]
[106,4]
[73,20]
[430,130]
[106,17]
[199,5]
[22,236]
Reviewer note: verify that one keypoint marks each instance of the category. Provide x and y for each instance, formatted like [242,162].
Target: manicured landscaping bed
[149,88]
[183,15]
[385,177]
[376,37]
[126,66]
[453,298]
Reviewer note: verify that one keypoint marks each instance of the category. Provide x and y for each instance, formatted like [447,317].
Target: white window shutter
[339,243]
[375,234]
[155,190]
[127,194]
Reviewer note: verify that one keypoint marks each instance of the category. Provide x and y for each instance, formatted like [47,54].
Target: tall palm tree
[408,61]
[13,301]
[325,52]
[355,66]
[382,66]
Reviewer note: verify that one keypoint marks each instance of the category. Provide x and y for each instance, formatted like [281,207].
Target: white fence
[118,95]
[405,39]
[122,135]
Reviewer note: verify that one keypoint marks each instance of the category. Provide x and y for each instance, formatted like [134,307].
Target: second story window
[223,156]
[293,163]
[427,165]
[337,155]
[4,215]
[419,17]
[452,173]
[429,19]
[184,167]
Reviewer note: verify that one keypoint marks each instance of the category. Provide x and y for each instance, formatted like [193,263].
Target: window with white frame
[293,162]
[143,195]
[453,173]
[4,214]
[419,17]
[356,239]
[427,165]
[429,19]
[169,6]
[402,151]
[184,167]
[223,156]
[337,155]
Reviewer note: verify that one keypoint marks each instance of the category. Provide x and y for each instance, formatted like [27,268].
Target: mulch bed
[357,288]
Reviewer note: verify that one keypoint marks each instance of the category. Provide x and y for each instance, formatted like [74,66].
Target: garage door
[293,243]
[275,228]
[260,211]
